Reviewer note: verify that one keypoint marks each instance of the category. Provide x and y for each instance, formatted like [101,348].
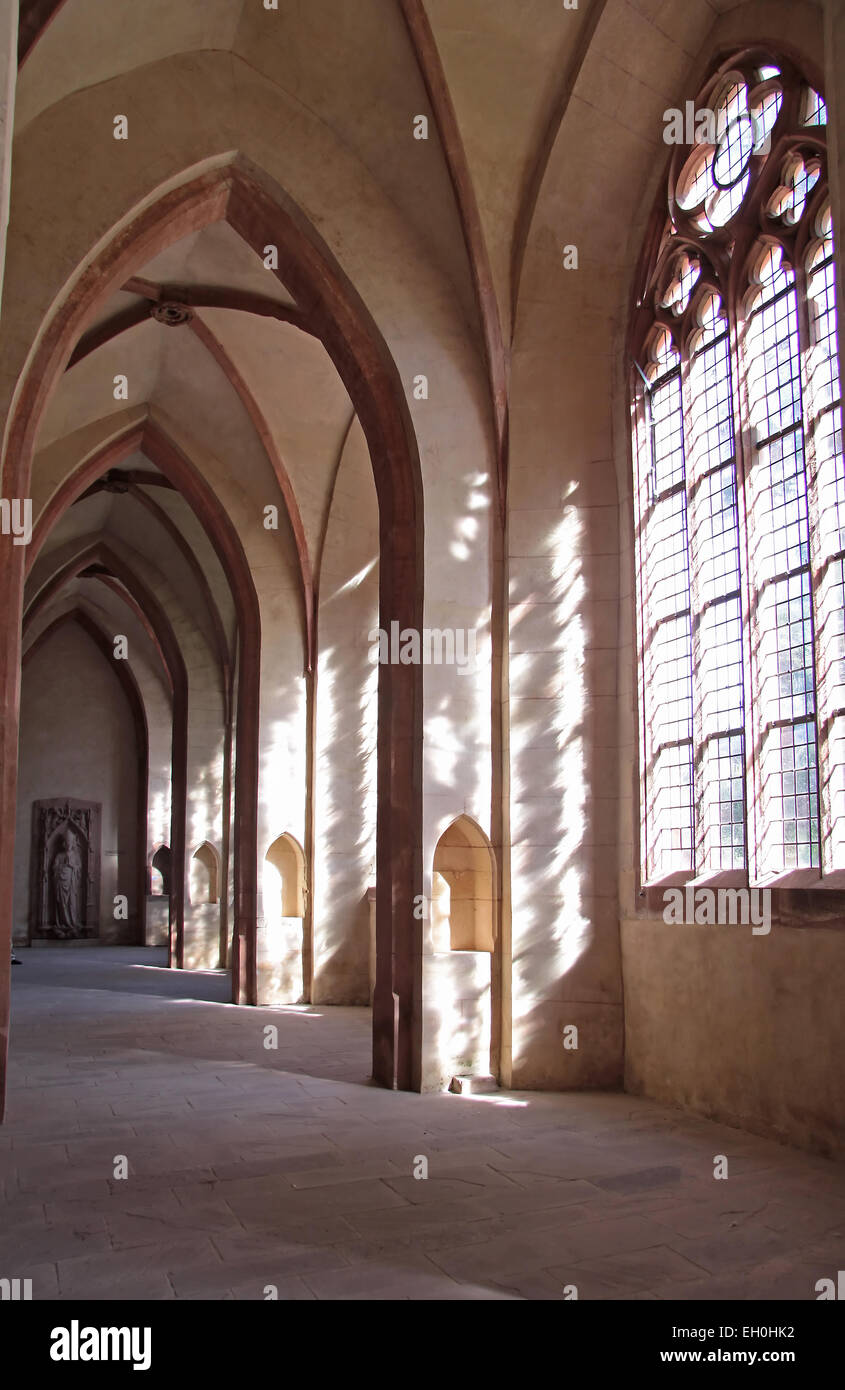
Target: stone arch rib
[260,212]
[150,439]
[137,590]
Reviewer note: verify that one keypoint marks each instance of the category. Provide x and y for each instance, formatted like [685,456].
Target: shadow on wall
[158,898]
[202,910]
[564,757]
[161,872]
[459,970]
[204,875]
[281,939]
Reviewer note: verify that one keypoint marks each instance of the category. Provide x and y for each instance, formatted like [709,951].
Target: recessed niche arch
[459,970]
[161,869]
[284,879]
[281,940]
[204,875]
[462,890]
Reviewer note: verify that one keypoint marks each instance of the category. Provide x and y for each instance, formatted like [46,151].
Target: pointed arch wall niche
[281,949]
[462,938]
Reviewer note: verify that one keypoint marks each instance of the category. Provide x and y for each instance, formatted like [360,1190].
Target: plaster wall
[289,99]
[746,1030]
[457,999]
[738,1028]
[82,747]
[209,102]
[346,723]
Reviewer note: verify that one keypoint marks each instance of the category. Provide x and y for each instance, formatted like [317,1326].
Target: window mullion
[826,501]
[717,609]
[782,617]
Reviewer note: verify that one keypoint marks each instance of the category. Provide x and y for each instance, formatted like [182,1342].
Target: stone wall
[81,745]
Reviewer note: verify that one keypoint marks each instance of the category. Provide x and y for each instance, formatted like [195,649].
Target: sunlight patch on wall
[551,930]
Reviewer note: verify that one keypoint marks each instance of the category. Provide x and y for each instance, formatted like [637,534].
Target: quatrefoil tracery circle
[741,114]
[729,146]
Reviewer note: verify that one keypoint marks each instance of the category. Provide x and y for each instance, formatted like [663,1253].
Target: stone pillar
[8,77]
[8,716]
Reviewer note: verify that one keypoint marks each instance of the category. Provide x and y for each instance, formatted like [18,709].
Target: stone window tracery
[739,493]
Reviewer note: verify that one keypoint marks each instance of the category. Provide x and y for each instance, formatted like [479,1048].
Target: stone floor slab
[250,1169]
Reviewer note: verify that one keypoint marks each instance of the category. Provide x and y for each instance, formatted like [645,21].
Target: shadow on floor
[200,1023]
[120,969]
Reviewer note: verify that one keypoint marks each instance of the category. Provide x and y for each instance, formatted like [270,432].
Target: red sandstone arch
[57,581]
[496,356]
[262,213]
[196,296]
[150,439]
[129,319]
[227,674]
[213,345]
[35,16]
[100,553]
[134,699]
[113,453]
[220,643]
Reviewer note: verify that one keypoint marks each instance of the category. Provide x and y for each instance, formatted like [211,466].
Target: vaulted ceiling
[244,374]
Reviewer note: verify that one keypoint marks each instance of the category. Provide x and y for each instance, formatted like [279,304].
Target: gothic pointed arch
[107,564]
[233,189]
[150,438]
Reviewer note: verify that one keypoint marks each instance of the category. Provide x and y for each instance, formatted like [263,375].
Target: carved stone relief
[65,859]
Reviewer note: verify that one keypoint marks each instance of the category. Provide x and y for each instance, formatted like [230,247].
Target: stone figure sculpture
[67,881]
[65,869]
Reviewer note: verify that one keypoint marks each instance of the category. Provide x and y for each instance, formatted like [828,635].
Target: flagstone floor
[250,1168]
